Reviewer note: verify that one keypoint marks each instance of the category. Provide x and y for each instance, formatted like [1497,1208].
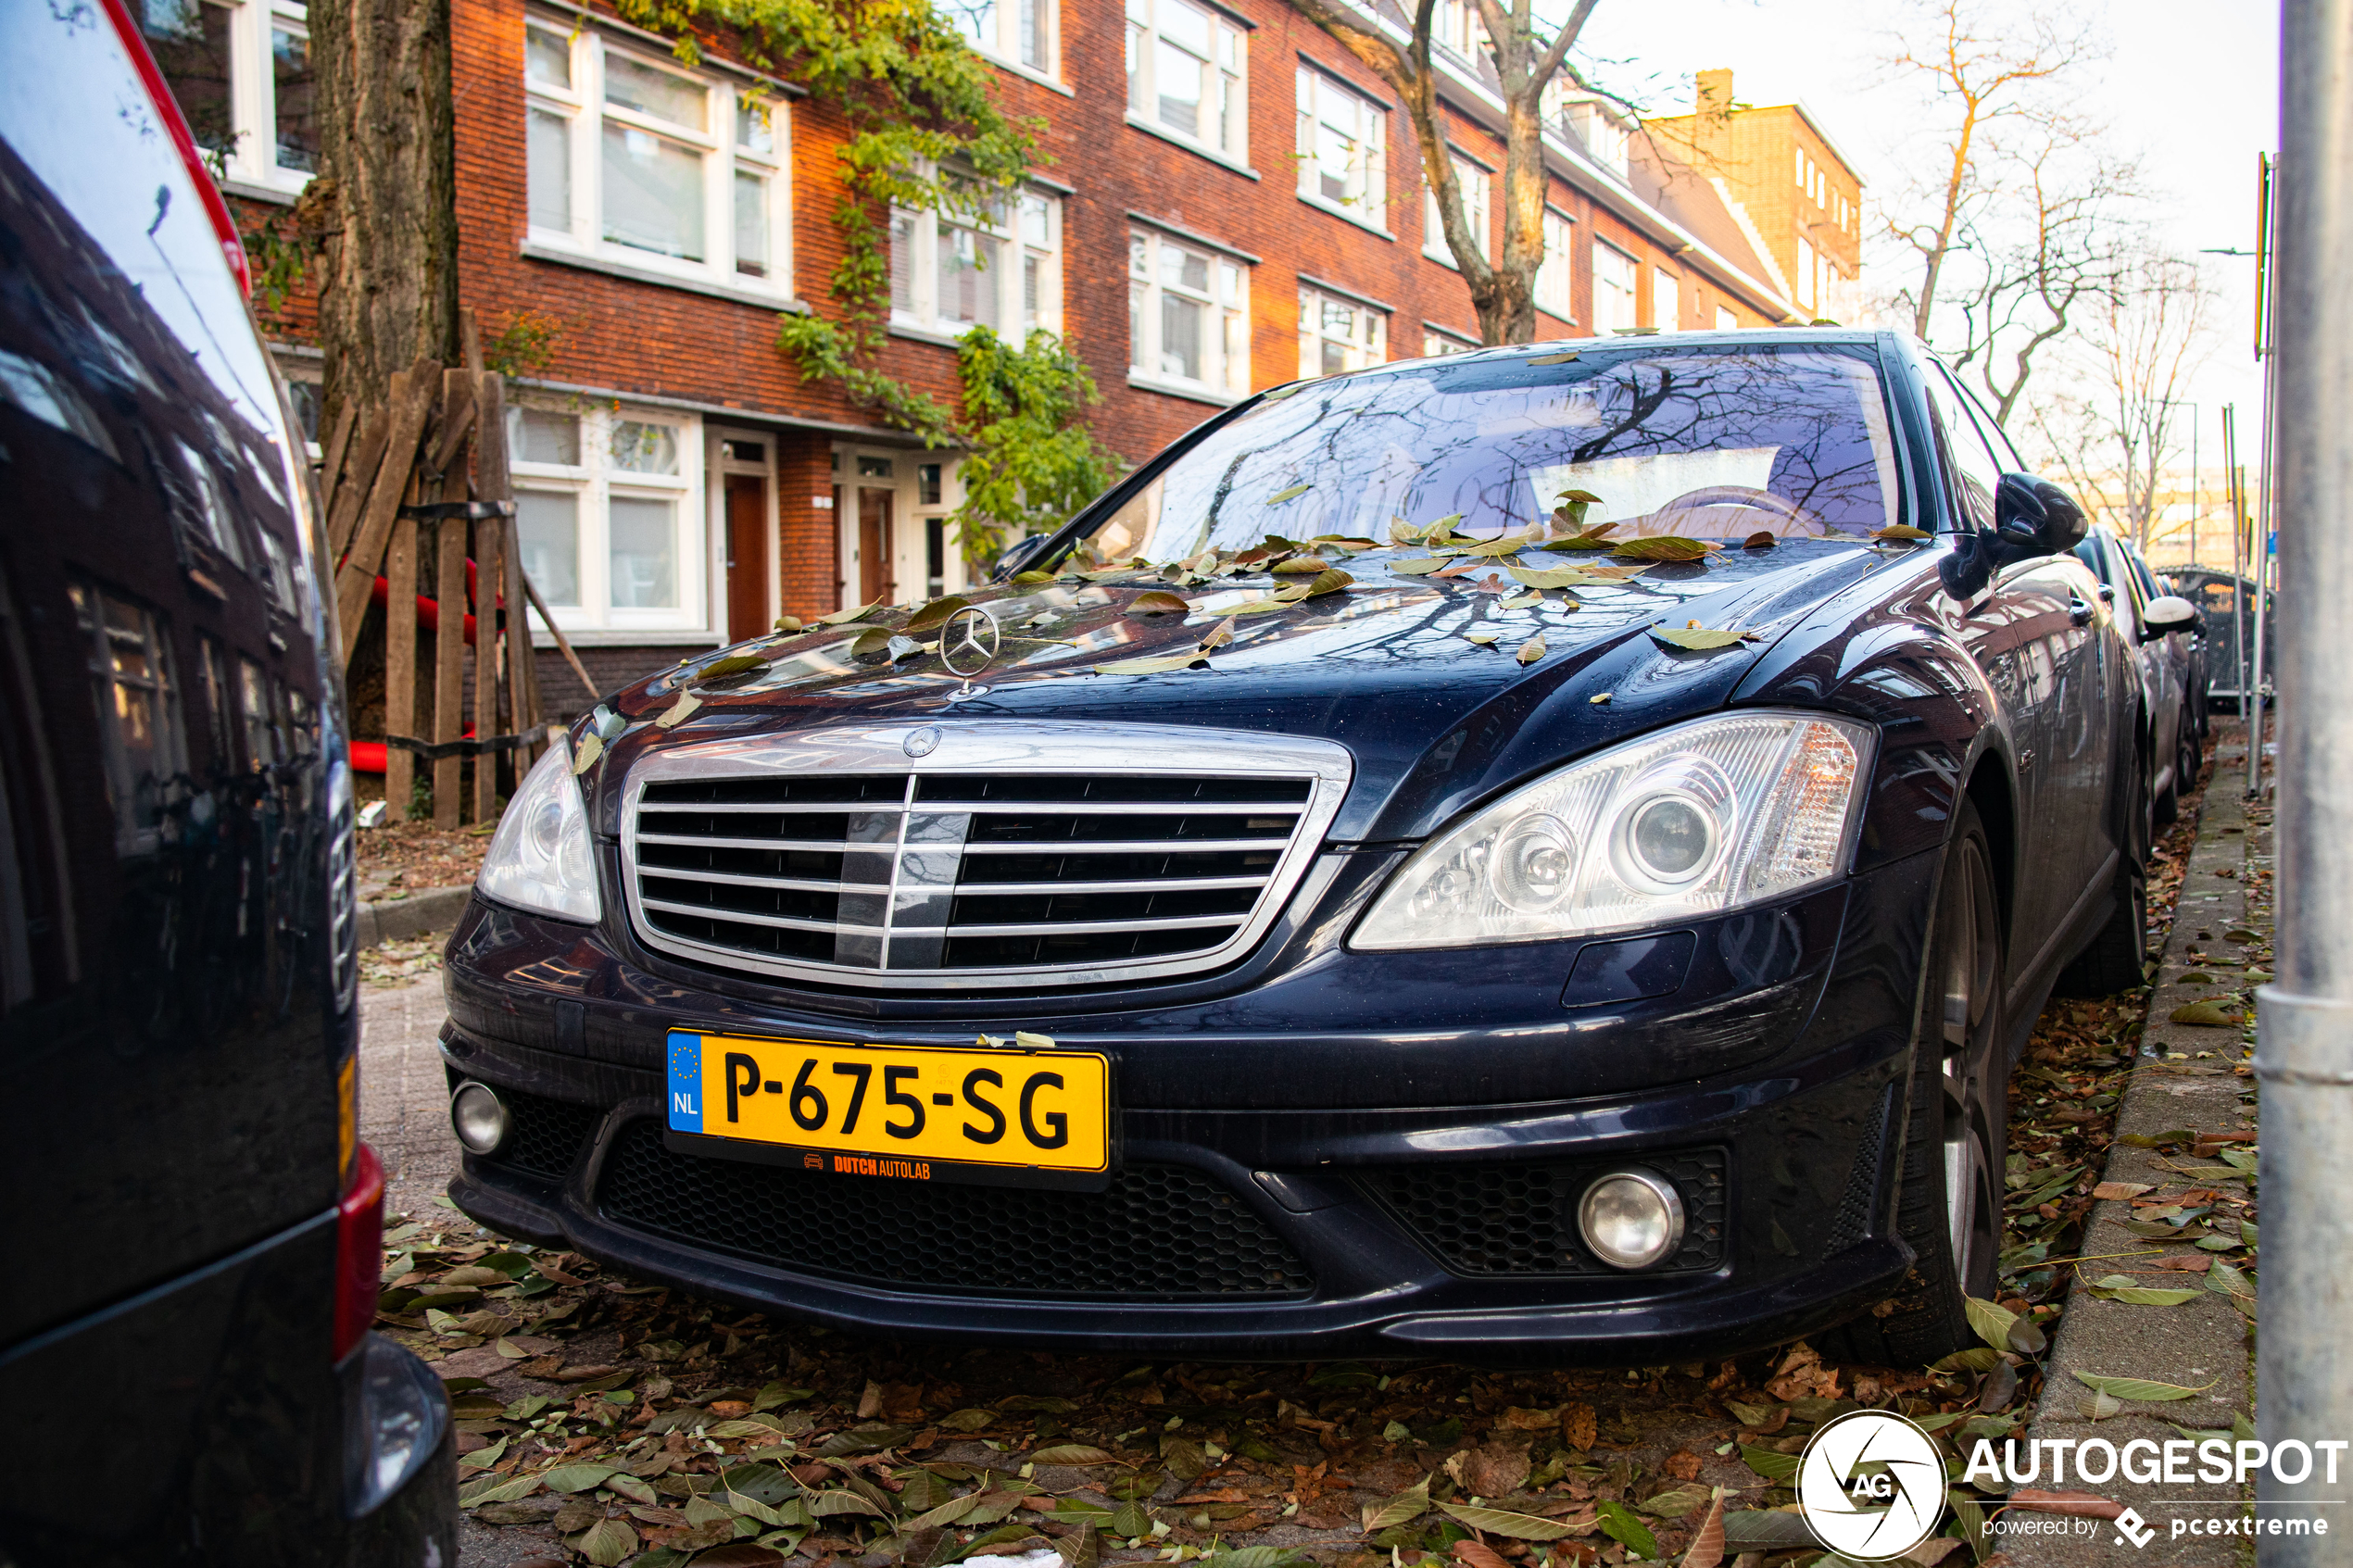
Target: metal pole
[2238,538]
[2264,547]
[2197,489]
[2305,1017]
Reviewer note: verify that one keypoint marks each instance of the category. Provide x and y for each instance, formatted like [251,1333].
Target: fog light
[1631,1220]
[480,1118]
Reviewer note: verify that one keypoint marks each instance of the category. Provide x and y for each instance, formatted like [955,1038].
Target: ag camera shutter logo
[1872,1484]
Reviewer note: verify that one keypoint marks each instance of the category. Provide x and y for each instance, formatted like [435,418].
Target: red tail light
[359,1235]
[175,125]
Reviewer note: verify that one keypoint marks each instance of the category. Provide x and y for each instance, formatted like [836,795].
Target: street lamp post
[2305,1017]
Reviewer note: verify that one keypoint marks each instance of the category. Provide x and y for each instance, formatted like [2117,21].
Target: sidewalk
[2189,1079]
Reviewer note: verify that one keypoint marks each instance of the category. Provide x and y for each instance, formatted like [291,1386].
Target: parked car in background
[2226,623]
[2162,628]
[2189,641]
[177,971]
[1300,911]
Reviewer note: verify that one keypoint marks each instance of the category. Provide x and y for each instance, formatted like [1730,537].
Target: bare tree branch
[1502,289]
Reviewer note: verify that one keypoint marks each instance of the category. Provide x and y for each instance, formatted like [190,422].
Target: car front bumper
[1419,1205]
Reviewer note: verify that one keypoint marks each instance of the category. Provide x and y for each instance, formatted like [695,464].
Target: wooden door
[876,578]
[746,557]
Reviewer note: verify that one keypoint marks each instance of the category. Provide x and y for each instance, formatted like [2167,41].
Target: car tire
[1949,1209]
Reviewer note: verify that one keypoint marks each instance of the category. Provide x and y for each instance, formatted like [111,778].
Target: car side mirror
[2168,612]
[1018,557]
[2031,517]
[2036,518]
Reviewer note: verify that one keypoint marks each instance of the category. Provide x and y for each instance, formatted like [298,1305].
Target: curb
[2204,1343]
[419,914]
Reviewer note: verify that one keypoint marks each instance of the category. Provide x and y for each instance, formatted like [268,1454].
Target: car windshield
[1701,442]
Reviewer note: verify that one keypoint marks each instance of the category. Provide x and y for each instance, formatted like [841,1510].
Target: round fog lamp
[479,1116]
[1631,1220]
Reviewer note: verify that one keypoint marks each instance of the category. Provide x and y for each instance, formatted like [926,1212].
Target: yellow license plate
[915,1112]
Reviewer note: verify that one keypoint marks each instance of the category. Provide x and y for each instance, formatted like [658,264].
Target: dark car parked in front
[190,1374]
[1389,923]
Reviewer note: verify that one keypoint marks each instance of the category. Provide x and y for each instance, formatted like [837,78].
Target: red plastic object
[428,611]
[175,125]
[359,1236]
[368,755]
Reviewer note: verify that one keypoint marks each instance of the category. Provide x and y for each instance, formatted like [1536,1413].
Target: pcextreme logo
[1872,1484]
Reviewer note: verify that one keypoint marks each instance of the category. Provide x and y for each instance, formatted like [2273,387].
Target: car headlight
[1700,819]
[540,859]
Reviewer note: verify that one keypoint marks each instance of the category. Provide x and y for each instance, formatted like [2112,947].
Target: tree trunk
[384,202]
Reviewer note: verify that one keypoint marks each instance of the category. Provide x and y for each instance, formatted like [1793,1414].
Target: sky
[2192,88]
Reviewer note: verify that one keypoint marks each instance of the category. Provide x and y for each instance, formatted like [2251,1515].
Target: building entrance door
[876,547]
[746,557]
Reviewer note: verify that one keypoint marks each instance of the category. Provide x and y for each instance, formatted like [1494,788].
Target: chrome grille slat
[903,900]
[1135,847]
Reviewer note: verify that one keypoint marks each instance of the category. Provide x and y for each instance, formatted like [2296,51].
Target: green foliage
[277,257]
[1033,462]
[523,344]
[927,133]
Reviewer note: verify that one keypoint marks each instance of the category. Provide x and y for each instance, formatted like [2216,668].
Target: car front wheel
[1950,1211]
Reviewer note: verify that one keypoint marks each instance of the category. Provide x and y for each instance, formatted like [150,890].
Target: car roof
[1650,338]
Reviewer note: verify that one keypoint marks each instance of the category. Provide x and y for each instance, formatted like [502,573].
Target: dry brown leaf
[1530,650]
[1579,1427]
[1707,1550]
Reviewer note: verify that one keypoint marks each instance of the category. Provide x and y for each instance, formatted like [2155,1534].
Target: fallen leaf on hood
[856,612]
[1484,636]
[789,624]
[1530,650]
[1292,494]
[1663,547]
[1696,638]
[1158,666]
[1763,539]
[1219,635]
[1901,530]
[1554,358]
[678,712]
[1158,602]
[1421,566]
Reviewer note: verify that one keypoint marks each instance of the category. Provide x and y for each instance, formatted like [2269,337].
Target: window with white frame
[1456,25]
[1555,274]
[1806,272]
[241,74]
[1342,137]
[1000,268]
[1666,300]
[1020,31]
[1613,289]
[1474,182]
[1726,320]
[1187,315]
[631,158]
[1437,345]
[1185,74]
[605,509]
[1337,333]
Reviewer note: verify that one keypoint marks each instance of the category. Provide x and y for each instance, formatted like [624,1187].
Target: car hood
[1433,719]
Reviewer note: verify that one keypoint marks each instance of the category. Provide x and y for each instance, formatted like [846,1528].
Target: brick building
[1223,200]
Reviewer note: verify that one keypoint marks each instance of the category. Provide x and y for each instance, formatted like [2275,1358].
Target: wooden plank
[357,580]
[457,421]
[493,482]
[470,340]
[347,490]
[563,644]
[449,588]
[330,455]
[400,664]
[489,567]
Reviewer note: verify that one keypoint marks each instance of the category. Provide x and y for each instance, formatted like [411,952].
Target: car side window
[1975,473]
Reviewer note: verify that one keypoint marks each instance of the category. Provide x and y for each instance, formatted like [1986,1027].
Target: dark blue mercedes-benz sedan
[1543,854]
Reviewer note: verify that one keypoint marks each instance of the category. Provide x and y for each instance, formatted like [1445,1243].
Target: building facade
[1223,200]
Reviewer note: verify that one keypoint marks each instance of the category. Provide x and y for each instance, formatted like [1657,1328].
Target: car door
[2034,636]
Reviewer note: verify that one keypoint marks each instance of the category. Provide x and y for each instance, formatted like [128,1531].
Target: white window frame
[722,148]
[1476,180]
[1367,176]
[1227,356]
[1363,342]
[1437,342]
[1229,56]
[1666,299]
[1612,299]
[1026,225]
[1727,319]
[593,482]
[993,28]
[251,166]
[1555,288]
[1809,269]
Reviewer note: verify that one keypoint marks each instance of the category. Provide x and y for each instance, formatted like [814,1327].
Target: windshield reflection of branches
[1487,440]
